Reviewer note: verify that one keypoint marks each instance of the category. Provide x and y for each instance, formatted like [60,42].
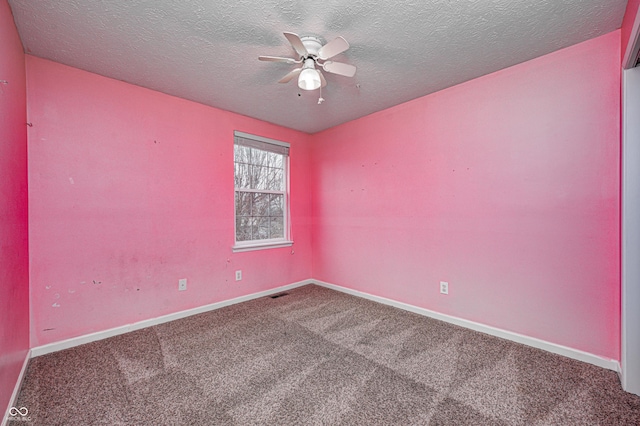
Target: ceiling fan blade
[323,82]
[333,48]
[278,59]
[295,41]
[287,78]
[339,68]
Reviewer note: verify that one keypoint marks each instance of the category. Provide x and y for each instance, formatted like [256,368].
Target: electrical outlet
[444,287]
[182,284]
[238,275]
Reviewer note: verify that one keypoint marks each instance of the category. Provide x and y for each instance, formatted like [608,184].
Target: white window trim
[259,138]
[264,244]
[287,240]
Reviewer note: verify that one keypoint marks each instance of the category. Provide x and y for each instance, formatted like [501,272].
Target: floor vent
[275,296]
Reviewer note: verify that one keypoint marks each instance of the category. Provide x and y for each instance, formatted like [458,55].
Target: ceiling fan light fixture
[309,79]
[311,54]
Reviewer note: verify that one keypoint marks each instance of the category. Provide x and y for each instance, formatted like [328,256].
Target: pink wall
[627,24]
[131,190]
[14,263]
[506,186]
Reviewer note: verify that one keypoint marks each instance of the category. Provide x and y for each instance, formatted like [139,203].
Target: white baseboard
[579,355]
[16,388]
[87,338]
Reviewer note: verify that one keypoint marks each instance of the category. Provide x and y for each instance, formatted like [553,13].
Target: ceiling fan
[313,54]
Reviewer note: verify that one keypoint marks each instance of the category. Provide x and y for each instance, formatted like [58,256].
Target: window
[261,192]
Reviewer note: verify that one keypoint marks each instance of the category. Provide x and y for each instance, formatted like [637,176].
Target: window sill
[261,246]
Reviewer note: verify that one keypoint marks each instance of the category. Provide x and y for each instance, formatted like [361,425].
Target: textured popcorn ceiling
[207,50]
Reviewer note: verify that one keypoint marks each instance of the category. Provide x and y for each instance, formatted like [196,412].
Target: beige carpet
[316,356]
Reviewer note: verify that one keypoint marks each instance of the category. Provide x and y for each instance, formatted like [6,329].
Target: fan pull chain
[320,99]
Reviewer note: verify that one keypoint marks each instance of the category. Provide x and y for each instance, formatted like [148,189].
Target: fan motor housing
[312,44]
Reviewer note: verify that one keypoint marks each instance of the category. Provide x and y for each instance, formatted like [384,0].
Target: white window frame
[286,240]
